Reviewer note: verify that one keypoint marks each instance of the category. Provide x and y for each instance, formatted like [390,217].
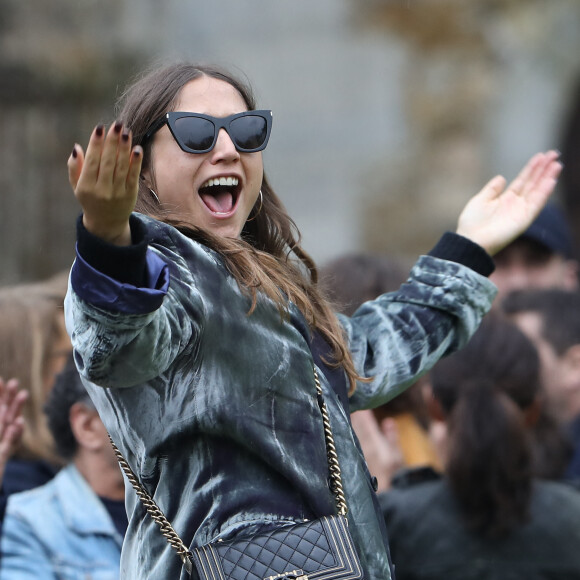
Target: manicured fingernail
[118,126]
[137,151]
[74,152]
[125,136]
[99,131]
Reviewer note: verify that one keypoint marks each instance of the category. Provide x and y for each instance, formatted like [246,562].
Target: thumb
[493,188]
[75,165]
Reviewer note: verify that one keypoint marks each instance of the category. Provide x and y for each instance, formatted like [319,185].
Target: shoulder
[21,475]
[558,499]
[414,491]
[28,503]
[166,237]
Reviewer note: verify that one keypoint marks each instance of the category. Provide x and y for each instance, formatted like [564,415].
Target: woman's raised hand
[105,181]
[497,215]
[12,399]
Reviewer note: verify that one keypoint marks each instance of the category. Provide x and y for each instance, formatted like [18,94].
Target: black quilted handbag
[320,549]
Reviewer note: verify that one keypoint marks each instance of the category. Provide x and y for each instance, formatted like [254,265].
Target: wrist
[118,234]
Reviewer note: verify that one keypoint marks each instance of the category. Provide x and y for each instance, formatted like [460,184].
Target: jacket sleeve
[22,554]
[125,334]
[401,335]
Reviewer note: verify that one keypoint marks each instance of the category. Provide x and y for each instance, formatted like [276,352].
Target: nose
[224,149]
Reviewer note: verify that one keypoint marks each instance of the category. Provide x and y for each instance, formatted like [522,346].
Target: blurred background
[388,114]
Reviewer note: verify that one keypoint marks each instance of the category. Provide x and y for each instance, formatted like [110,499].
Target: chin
[225,231]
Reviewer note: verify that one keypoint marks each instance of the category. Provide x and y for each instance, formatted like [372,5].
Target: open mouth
[220,195]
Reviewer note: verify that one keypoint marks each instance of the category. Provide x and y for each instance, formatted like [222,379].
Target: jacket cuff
[111,295]
[126,264]
[456,248]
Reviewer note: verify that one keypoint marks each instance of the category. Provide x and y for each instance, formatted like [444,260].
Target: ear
[86,426]
[145,177]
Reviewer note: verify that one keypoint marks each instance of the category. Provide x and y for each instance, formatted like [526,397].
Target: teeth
[220,181]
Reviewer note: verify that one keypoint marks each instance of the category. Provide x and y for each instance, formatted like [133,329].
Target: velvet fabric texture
[215,410]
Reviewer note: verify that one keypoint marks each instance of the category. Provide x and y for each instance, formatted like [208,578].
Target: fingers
[109,161]
[75,165]
[539,172]
[12,399]
[128,166]
[493,188]
[523,177]
[91,168]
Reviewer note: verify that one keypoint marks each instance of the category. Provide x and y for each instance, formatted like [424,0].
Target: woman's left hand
[497,215]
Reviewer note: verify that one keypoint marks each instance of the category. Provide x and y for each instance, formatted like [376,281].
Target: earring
[155,196]
[259,209]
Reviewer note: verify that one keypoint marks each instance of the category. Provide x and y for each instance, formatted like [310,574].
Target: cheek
[172,179]
[254,169]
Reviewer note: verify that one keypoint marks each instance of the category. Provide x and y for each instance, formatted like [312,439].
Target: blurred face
[553,368]
[524,264]
[214,191]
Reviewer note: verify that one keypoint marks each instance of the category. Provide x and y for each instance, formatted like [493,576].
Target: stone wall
[388,114]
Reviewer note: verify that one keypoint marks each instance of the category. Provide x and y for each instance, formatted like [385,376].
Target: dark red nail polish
[137,152]
[99,130]
[125,136]
[118,126]
[74,152]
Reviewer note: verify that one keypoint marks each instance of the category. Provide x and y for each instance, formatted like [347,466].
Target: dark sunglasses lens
[195,133]
[249,132]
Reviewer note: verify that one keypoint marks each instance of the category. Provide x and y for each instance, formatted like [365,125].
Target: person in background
[34,346]
[540,258]
[551,319]
[486,516]
[73,526]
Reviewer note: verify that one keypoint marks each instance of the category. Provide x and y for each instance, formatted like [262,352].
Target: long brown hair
[32,323]
[268,256]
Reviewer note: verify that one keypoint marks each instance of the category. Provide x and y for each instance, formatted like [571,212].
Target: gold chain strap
[333,464]
[167,529]
[154,511]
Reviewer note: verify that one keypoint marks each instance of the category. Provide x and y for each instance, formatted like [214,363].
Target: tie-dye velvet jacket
[215,410]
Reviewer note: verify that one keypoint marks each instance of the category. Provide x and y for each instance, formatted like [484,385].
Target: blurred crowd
[477,465]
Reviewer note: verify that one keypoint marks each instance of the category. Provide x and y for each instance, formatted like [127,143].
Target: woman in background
[33,349]
[486,517]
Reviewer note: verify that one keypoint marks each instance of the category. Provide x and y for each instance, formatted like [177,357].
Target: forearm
[116,325]
[399,336]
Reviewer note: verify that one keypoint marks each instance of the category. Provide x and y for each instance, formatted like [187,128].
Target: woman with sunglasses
[197,321]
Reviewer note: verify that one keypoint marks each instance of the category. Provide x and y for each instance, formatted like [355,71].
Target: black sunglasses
[197,133]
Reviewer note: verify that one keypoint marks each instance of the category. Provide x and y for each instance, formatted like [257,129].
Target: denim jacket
[215,410]
[59,531]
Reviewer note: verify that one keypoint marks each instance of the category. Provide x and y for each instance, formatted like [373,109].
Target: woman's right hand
[105,181]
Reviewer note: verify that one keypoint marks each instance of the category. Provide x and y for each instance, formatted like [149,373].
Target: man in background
[73,526]
[540,258]
[551,319]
